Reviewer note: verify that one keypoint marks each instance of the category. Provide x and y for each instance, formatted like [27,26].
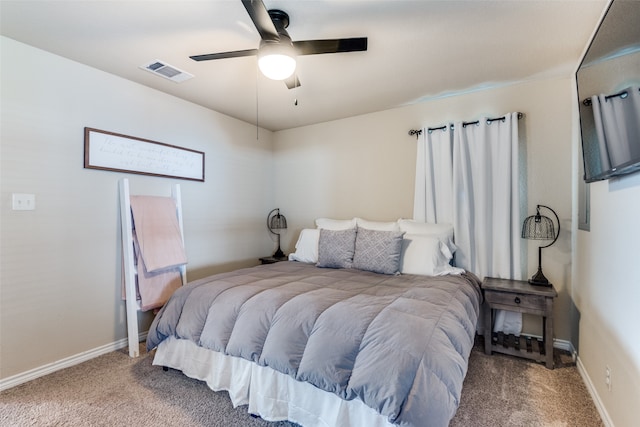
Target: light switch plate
[23,202]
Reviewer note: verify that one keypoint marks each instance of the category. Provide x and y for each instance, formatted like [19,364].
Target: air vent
[167,71]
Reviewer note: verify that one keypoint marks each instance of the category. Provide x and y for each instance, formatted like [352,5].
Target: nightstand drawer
[529,302]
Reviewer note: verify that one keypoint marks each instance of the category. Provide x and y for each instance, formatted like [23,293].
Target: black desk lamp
[276,221]
[540,227]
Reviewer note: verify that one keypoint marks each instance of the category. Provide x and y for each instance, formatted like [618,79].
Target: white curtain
[470,176]
[486,208]
[617,120]
[433,198]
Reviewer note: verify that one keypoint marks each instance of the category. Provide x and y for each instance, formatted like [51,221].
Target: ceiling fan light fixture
[276,60]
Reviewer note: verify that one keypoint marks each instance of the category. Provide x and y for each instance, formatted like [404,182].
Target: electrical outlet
[607,377]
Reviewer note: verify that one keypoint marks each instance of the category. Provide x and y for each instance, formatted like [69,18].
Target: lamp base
[278,253]
[538,279]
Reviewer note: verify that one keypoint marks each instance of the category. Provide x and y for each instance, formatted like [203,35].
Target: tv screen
[609,91]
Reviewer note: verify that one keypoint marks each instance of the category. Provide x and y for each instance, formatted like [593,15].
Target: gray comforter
[398,343]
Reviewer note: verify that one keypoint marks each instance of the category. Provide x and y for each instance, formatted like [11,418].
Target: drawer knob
[517,300]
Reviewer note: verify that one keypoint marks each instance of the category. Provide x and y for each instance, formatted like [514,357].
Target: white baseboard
[67,362]
[606,420]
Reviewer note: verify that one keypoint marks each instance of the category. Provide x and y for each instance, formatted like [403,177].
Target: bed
[329,345]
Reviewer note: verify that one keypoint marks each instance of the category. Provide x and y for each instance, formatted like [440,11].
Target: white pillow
[423,255]
[416,227]
[377,225]
[306,246]
[335,224]
[443,232]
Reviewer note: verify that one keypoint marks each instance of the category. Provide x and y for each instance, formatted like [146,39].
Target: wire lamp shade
[540,227]
[276,221]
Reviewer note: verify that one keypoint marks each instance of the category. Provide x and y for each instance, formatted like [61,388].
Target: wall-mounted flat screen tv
[609,94]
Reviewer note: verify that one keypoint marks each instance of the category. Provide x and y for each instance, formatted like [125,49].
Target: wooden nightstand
[272,259]
[519,296]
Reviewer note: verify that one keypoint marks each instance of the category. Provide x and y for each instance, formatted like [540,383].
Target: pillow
[336,248]
[443,231]
[377,225]
[411,226]
[423,255]
[306,246]
[378,251]
[335,224]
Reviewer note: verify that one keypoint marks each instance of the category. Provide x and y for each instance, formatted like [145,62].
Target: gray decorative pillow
[378,251]
[336,248]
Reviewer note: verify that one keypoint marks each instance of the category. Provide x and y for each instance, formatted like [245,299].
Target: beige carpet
[114,390]
[501,390]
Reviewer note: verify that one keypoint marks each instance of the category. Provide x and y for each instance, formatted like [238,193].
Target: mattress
[392,346]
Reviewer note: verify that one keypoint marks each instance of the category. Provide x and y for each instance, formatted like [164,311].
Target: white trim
[606,420]
[128,267]
[67,362]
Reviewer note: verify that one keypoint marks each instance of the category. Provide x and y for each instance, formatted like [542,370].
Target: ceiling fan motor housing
[280,19]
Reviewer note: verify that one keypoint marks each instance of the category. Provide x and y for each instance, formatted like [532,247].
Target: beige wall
[60,264]
[608,293]
[365,166]
[607,285]
[607,296]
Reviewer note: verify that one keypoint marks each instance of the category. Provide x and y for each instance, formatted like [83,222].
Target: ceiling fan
[277,52]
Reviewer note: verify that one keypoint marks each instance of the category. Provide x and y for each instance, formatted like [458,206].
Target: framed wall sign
[121,153]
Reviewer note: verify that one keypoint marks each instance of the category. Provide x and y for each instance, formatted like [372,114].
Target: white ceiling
[417,49]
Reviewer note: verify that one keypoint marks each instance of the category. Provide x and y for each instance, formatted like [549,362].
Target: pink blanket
[155,288]
[159,250]
[158,232]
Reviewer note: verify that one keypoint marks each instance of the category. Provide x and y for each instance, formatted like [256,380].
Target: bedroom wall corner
[60,264]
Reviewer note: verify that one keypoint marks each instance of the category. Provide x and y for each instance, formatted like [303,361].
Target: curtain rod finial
[415,132]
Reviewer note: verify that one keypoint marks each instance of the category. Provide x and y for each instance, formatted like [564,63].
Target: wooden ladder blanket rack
[129,266]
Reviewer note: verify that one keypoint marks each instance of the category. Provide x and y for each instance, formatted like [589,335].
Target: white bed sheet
[270,394]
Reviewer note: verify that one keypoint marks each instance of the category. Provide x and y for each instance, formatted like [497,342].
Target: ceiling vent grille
[167,71]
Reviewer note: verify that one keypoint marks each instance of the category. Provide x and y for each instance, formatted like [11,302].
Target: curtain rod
[623,94]
[418,132]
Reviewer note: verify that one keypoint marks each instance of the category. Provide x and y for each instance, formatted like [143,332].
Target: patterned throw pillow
[378,251]
[336,248]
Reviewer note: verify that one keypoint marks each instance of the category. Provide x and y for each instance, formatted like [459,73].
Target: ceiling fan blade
[313,47]
[261,19]
[292,82]
[224,55]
